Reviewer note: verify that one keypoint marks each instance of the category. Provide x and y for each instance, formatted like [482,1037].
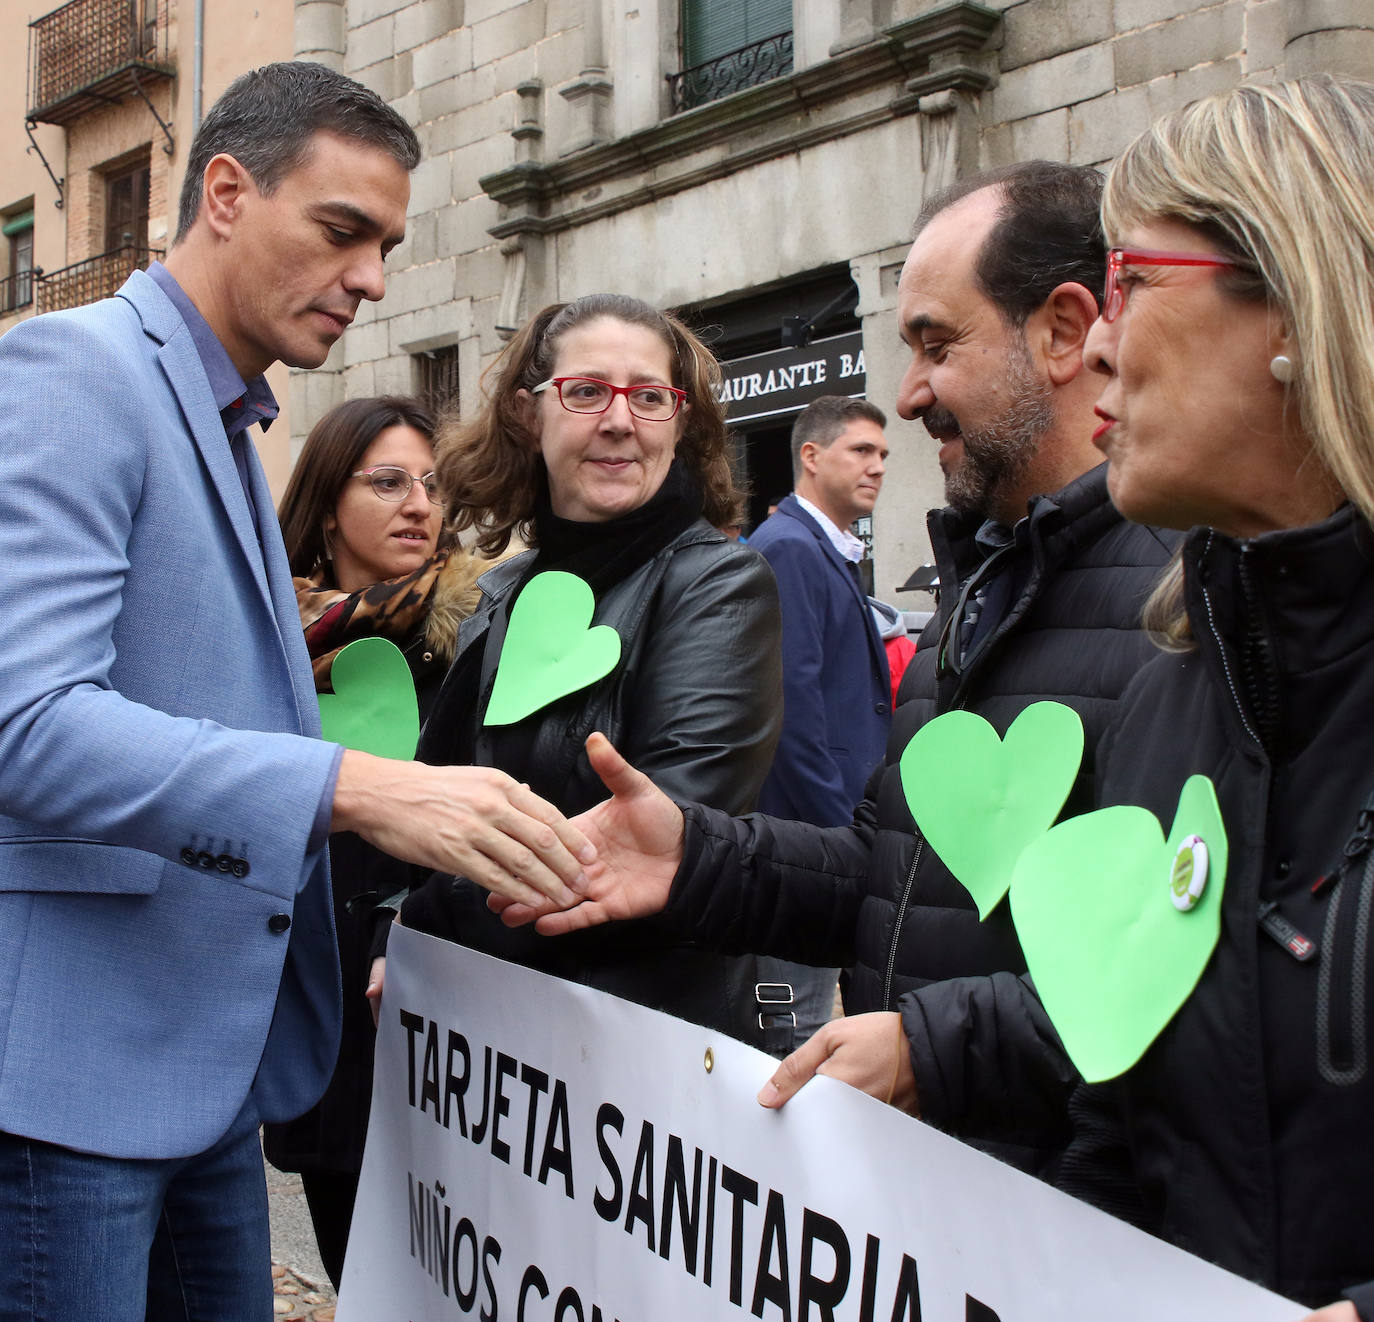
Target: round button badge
[1188,879]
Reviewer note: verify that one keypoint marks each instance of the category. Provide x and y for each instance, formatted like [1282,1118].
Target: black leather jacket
[696,704]
[988,1066]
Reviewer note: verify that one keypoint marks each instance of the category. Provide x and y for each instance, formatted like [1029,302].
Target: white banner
[541,1152]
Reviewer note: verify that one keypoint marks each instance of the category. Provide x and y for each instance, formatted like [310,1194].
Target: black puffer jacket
[874,896]
[696,704]
[1248,1121]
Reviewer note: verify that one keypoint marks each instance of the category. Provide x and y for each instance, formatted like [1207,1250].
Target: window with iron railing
[728,45]
[90,52]
[95,278]
[16,287]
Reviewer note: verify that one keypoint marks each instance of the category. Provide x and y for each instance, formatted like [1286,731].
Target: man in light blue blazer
[167,969]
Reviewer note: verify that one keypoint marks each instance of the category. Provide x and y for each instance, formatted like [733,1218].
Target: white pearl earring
[1281,368]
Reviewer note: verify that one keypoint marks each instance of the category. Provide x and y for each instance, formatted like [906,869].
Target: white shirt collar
[841,539]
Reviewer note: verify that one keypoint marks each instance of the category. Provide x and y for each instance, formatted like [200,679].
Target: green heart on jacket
[373,706]
[1112,957]
[980,800]
[551,648]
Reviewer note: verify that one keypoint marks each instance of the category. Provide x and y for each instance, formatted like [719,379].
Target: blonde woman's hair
[1279,177]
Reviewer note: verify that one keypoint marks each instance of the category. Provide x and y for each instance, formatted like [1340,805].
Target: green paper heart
[373,706]
[980,800]
[1111,956]
[549,650]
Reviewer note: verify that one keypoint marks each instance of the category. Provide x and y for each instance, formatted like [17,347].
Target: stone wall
[1079,78]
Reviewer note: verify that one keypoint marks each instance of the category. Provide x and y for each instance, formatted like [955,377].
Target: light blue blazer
[156,791]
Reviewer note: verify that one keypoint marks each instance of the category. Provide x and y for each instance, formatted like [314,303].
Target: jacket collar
[180,360]
[159,315]
[498,581]
[1054,526]
[1309,592]
[790,508]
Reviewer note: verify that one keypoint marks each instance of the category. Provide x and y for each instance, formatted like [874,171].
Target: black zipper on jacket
[901,917]
[1221,648]
[1016,610]
[1259,673]
[956,704]
[1341,1039]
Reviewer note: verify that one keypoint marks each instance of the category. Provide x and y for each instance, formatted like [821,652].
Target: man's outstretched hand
[637,833]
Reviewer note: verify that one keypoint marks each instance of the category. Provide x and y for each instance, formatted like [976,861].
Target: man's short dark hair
[1047,232]
[266,119]
[822,421]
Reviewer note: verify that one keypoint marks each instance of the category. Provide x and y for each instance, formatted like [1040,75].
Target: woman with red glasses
[602,444]
[1236,345]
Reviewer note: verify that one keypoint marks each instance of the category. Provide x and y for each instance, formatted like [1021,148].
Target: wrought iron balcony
[732,72]
[95,278]
[90,53]
[16,291]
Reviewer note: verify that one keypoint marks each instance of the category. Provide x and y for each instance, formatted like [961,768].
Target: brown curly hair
[490,467]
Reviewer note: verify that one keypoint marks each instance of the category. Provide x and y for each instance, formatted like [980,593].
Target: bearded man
[1042,586]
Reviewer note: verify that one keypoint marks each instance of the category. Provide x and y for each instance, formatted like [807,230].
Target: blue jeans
[122,1240]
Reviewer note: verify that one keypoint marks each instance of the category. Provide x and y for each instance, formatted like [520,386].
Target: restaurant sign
[784,381]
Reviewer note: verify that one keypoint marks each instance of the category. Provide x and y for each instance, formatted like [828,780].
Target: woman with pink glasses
[1237,349]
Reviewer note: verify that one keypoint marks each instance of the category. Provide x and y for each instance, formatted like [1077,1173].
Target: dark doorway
[815,306]
[766,461]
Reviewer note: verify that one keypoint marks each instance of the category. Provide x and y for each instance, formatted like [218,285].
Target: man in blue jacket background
[836,690]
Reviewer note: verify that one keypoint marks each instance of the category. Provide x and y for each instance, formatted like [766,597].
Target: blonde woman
[1237,347]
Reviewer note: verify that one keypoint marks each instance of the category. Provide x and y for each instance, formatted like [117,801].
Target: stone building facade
[557,163]
[570,146]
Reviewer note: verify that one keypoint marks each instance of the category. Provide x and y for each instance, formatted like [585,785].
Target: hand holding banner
[543,1152]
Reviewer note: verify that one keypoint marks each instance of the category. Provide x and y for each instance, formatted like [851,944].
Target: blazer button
[239,867]
[880,708]
[224,863]
[278,923]
[205,859]
[188,856]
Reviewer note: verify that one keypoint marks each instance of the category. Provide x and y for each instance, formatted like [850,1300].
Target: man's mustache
[941,422]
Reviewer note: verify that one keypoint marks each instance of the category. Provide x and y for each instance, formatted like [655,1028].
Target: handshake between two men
[638,835]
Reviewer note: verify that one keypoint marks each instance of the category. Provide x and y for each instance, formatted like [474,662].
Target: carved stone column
[589,94]
[1329,36]
[951,42]
[522,242]
[321,32]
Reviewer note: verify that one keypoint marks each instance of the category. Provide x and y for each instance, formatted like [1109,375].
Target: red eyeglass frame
[557,383]
[1114,298]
